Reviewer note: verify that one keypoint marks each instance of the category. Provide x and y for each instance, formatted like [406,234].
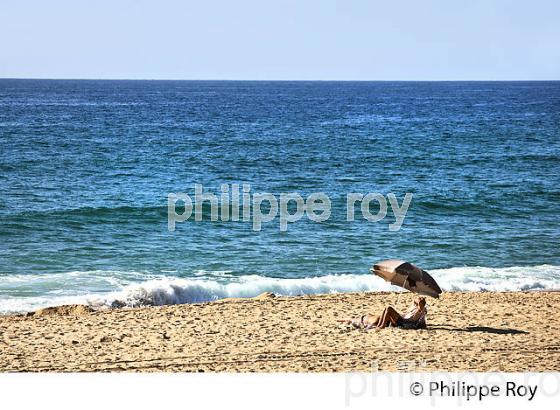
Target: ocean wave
[99,211]
[210,286]
[155,213]
[485,279]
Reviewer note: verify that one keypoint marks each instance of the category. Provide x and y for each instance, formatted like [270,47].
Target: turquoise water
[86,167]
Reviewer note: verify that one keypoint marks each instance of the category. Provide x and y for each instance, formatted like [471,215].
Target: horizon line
[268,80]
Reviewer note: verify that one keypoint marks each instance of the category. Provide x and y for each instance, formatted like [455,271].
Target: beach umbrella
[408,276]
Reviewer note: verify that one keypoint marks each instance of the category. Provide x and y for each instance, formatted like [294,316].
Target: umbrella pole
[399,293]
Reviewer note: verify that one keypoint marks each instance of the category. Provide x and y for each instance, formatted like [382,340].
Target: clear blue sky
[278,40]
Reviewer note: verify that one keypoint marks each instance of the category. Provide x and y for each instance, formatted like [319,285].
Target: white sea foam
[138,289]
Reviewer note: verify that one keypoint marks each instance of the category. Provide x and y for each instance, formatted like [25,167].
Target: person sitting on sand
[415,318]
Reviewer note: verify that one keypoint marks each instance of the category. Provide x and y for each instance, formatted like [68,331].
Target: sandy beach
[510,331]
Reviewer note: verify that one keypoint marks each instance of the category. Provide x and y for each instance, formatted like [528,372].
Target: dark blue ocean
[86,168]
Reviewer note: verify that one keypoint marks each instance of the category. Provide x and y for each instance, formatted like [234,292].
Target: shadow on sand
[483,329]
